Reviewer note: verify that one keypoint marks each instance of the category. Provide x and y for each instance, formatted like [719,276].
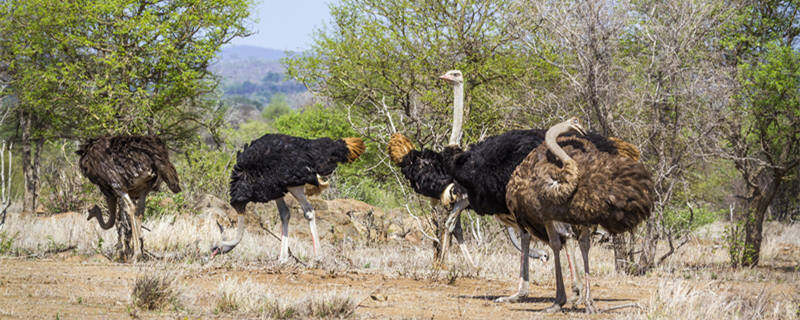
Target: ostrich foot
[590,309]
[513,298]
[553,309]
[283,259]
[577,296]
[589,303]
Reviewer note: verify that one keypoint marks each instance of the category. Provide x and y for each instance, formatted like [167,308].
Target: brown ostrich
[126,168]
[570,181]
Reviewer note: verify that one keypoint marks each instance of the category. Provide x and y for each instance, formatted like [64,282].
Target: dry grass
[695,283]
[235,296]
[678,299]
[155,289]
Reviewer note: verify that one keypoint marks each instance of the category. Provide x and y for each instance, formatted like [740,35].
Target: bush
[204,169]
[154,290]
[689,219]
[63,187]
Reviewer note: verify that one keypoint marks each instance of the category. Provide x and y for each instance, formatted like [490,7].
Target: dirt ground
[80,287]
[76,287]
[389,278]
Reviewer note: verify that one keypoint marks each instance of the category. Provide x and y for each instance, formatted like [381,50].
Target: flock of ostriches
[552,184]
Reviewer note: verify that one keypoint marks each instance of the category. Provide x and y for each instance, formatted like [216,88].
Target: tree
[386,51]
[762,135]
[277,106]
[644,71]
[83,68]
[381,59]
[765,144]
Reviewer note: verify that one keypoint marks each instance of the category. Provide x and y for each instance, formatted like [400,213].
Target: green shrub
[205,169]
[688,219]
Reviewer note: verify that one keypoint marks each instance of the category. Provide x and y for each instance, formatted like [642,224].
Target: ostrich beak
[579,129]
[446,77]
[214,253]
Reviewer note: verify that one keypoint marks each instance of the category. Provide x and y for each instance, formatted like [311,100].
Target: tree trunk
[31,156]
[649,246]
[754,222]
[28,198]
[623,257]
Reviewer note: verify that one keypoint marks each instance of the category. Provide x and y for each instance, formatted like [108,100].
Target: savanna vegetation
[708,90]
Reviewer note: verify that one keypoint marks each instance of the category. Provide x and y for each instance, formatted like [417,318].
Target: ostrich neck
[552,145]
[458,113]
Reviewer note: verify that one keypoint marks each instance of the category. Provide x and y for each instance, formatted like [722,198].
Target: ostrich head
[572,124]
[453,77]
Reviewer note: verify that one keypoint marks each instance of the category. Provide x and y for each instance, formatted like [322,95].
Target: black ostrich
[276,164]
[433,174]
[429,174]
[127,168]
[428,171]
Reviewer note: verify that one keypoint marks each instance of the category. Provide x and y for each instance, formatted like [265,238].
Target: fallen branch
[622,306]
[53,251]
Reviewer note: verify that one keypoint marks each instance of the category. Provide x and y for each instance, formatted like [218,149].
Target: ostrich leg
[458,233]
[285,214]
[522,290]
[130,209]
[453,221]
[140,206]
[572,275]
[585,241]
[555,245]
[308,212]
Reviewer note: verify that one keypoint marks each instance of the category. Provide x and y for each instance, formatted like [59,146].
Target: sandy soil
[75,287]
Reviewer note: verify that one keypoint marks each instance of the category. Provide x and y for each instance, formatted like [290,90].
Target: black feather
[269,165]
[428,171]
[485,169]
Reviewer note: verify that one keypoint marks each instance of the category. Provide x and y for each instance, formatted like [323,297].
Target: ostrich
[126,168]
[477,178]
[276,164]
[427,170]
[580,186]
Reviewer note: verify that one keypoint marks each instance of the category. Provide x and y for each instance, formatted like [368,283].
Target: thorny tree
[646,72]
[381,59]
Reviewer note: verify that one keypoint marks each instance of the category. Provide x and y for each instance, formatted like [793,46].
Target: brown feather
[355,146]
[399,146]
[626,149]
[611,190]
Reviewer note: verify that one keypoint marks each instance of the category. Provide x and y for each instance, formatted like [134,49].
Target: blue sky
[286,24]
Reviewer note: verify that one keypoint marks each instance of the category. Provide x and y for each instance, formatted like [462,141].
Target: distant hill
[251,73]
[251,52]
[237,64]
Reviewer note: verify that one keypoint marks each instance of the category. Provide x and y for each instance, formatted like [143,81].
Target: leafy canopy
[81,68]
[390,51]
